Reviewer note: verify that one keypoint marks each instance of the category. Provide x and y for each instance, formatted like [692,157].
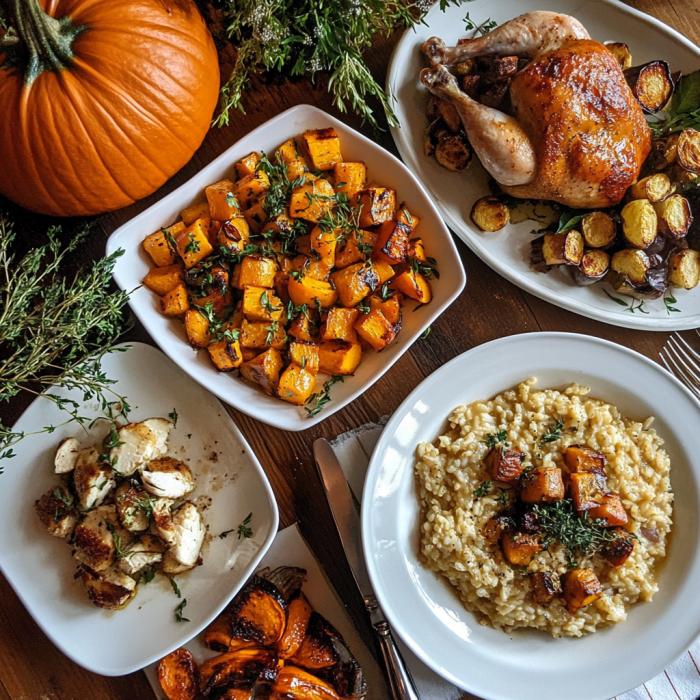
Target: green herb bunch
[54,331]
[296,37]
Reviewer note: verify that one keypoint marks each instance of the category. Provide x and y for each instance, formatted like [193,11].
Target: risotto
[458,500]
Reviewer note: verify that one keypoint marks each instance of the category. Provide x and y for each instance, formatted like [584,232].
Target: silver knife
[347,523]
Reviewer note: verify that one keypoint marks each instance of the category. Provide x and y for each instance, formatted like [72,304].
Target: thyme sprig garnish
[559,522]
[122,551]
[552,435]
[54,331]
[178,611]
[298,37]
[322,398]
[634,305]
[483,489]
[493,439]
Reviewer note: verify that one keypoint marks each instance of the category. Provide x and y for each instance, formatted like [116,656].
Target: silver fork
[682,361]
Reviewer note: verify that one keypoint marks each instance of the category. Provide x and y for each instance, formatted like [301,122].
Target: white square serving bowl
[383,168]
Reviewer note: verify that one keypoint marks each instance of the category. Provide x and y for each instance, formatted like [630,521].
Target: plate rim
[528,283]
[388,434]
[292,422]
[121,670]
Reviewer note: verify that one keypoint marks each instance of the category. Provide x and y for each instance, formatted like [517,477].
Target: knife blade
[347,523]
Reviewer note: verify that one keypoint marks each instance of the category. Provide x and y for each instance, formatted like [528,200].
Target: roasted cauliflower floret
[138,444]
[93,478]
[168,478]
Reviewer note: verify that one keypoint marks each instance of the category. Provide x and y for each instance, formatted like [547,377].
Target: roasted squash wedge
[338,357]
[259,612]
[296,385]
[340,324]
[377,205]
[376,329]
[175,302]
[296,684]
[542,485]
[264,369]
[413,285]
[240,667]
[354,283]
[581,588]
[223,205]
[323,147]
[297,624]
[178,675]
[304,290]
[195,211]
[349,178]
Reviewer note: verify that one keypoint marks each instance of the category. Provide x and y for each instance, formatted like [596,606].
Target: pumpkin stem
[47,41]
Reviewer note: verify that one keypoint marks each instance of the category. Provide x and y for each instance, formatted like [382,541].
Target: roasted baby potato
[598,229]
[621,52]
[655,188]
[674,216]
[684,268]
[490,214]
[453,152]
[651,84]
[633,263]
[640,223]
[593,267]
[688,150]
[563,248]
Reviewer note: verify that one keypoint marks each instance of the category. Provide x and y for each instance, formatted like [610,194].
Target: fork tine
[689,365]
[676,370]
[678,337]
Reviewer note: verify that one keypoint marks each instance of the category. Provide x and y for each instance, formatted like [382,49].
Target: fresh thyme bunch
[54,331]
[294,37]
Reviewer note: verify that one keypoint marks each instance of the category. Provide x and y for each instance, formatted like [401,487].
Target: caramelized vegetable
[193,243]
[264,370]
[375,328]
[159,248]
[610,511]
[632,263]
[442,109]
[297,623]
[340,324]
[241,667]
[504,465]
[222,204]
[598,229]
[175,302]
[619,550]
[305,355]
[639,223]
[197,329]
[688,150]
[674,216]
[519,547]
[161,280]
[296,684]
[354,283]
[250,187]
[621,53]
[563,248]
[378,205]
[581,588]
[392,242]
[296,385]
[651,84]
[317,649]
[594,266]
[545,586]
[586,490]
[304,290]
[349,178]
[413,285]
[195,211]
[256,271]
[323,147]
[294,162]
[178,675]
[338,357]
[542,485]
[247,166]
[259,612]
[226,355]
[684,268]
[453,151]
[582,459]
[312,200]
[490,214]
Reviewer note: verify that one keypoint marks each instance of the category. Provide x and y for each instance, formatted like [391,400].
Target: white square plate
[383,168]
[230,484]
[508,251]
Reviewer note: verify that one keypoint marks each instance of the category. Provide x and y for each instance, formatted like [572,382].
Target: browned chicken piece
[581,587]
[542,485]
[109,589]
[519,547]
[56,512]
[575,135]
[504,465]
[545,586]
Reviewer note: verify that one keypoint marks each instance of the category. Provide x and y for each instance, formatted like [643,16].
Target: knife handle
[402,685]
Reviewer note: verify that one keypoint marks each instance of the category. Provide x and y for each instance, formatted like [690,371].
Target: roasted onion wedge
[652,85]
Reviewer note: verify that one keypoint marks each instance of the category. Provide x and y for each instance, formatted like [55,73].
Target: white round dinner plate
[425,611]
[454,194]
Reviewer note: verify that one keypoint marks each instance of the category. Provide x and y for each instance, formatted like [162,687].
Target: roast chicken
[575,133]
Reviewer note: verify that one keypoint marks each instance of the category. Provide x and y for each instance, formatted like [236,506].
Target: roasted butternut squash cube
[305,355]
[610,511]
[296,385]
[581,588]
[193,243]
[197,329]
[236,320]
[295,164]
[496,526]
[250,353]
[247,166]
[586,490]
[542,485]
[404,216]
[255,216]
[376,330]
[504,465]
[391,307]
[323,147]
[306,289]
[340,324]
[545,586]
[282,286]
[303,329]
[413,285]
[580,458]
[392,242]
[262,304]
[355,282]
[226,355]
[262,335]
[161,280]
[218,300]
[223,205]
[257,272]
[618,551]
[378,205]
[175,302]
[312,200]
[338,357]
[323,245]
[349,178]
[303,245]
[357,248]
[384,271]
[416,250]
[158,246]
[309,267]
[251,187]
[233,235]
[264,370]
[194,212]
[520,547]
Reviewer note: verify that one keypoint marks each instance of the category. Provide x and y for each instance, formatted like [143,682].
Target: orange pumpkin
[109,100]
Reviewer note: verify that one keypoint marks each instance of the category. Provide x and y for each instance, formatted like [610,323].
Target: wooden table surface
[31,668]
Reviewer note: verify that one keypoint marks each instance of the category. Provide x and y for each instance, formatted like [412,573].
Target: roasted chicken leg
[576,134]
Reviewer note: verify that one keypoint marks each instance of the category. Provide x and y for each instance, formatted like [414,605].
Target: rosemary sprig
[54,331]
[298,37]
[322,398]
